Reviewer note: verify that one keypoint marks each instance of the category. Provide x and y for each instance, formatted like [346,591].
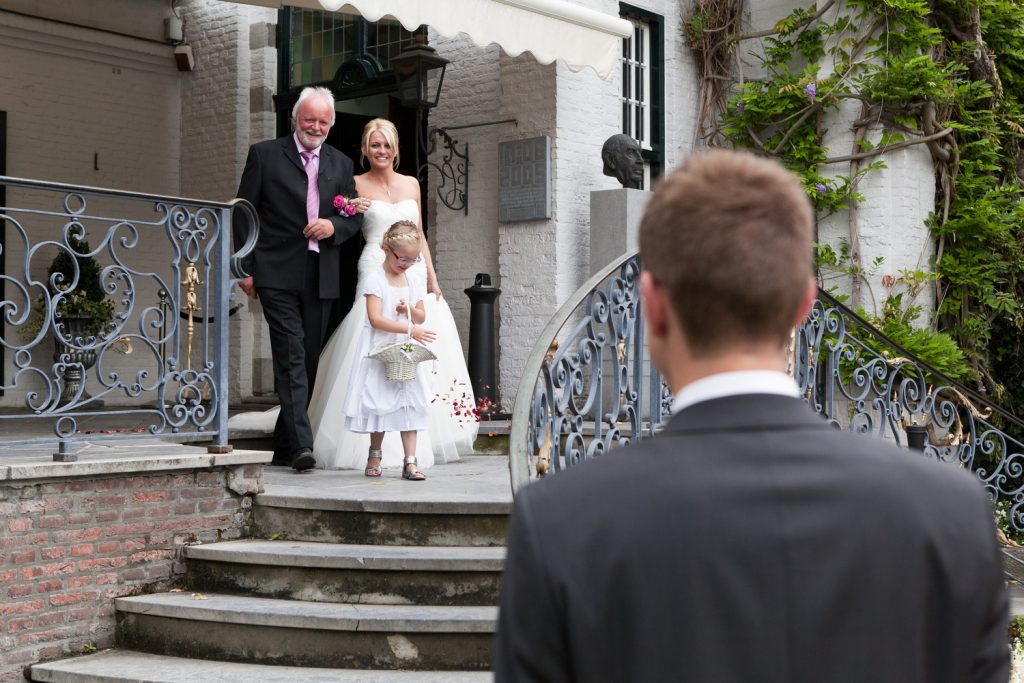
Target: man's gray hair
[314,92]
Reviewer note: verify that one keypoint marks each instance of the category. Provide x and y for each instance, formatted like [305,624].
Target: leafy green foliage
[937,349]
[1015,631]
[918,67]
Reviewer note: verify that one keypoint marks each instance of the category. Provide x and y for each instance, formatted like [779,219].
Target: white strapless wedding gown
[453,427]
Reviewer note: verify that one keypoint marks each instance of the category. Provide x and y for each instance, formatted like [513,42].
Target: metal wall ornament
[157,389]
[584,382]
[452,170]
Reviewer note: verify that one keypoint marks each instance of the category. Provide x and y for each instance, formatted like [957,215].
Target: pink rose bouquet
[344,206]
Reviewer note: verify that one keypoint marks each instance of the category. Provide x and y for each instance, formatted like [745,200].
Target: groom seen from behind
[749,540]
[294,270]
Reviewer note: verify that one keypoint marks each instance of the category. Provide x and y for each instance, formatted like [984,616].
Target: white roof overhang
[547,29]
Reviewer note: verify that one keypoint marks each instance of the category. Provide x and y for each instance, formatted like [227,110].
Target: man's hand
[248,287]
[320,229]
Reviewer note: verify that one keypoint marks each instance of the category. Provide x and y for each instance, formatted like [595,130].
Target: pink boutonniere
[344,206]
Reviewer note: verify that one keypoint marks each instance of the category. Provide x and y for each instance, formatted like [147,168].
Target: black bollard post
[482,346]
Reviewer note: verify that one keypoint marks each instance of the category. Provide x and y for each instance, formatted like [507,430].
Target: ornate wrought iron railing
[587,386]
[859,379]
[115,309]
[587,395]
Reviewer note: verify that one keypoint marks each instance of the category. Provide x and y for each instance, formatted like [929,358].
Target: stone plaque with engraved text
[524,180]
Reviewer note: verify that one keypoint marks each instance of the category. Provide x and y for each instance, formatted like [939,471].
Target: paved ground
[482,479]
[472,480]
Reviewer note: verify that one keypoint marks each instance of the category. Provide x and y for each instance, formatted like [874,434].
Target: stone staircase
[344,579]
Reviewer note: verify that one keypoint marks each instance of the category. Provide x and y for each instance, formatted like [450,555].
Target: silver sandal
[373,470]
[411,473]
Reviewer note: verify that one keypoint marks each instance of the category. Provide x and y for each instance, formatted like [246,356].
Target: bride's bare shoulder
[410,183]
[410,188]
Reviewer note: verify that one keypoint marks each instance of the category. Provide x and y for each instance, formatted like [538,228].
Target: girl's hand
[432,286]
[423,335]
[402,308]
[361,204]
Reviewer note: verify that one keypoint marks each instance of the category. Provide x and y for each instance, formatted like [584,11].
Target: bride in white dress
[453,425]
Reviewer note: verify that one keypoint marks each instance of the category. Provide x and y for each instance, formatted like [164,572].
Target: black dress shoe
[303,460]
[281,460]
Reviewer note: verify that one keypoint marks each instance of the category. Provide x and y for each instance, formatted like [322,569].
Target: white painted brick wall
[215,106]
[540,263]
[466,244]
[681,86]
[527,251]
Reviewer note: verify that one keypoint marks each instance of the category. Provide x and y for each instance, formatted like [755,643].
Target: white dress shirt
[735,383]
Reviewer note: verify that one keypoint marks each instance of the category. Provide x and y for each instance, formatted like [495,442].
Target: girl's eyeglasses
[402,261]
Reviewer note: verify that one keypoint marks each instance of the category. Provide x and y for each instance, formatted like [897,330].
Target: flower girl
[394,312]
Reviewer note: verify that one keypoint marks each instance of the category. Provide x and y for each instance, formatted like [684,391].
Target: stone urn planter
[77,328]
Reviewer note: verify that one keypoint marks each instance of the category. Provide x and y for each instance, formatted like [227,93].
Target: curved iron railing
[164,264]
[859,379]
[584,397]
[585,382]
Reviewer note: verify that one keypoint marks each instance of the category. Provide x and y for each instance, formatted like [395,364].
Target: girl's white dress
[452,427]
[382,405]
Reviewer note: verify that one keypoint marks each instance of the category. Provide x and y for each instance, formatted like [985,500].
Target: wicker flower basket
[401,358]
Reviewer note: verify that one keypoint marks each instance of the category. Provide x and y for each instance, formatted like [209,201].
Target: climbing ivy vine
[947,74]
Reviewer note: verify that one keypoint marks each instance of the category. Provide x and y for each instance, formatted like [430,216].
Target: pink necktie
[312,195]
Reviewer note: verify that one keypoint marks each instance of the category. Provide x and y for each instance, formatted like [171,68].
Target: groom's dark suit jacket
[274,180]
[751,542]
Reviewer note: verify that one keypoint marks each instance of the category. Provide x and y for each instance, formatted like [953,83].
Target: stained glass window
[321,41]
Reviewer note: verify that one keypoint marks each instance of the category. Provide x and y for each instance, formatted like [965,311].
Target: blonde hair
[400,233]
[385,128]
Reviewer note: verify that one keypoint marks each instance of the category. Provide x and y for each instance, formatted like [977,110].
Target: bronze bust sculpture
[622,159]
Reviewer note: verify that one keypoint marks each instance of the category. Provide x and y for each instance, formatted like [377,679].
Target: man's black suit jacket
[274,180]
[751,542]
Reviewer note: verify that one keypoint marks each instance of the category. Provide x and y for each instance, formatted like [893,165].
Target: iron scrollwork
[859,380]
[453,169]
[144,277]
[579,397]
[588,395]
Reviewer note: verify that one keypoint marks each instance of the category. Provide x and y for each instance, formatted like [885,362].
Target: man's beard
[310,141]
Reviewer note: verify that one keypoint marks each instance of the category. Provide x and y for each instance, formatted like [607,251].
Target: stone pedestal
[614,229]
[614,224]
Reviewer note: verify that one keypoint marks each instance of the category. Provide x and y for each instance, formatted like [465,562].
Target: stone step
[1013,563]
[362,574]
[465,503]
[125,666]
[292,522]
[313,634]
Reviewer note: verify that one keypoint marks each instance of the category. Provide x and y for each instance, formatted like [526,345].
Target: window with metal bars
[643,87]
[636,84]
